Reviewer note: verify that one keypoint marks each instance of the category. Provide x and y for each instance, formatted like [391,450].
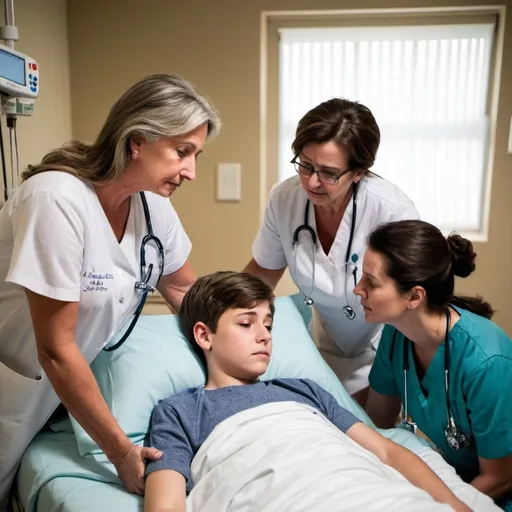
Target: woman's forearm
[421,475]
[491,485]
[173,287]
[412,467]
[78,390]
[268,276]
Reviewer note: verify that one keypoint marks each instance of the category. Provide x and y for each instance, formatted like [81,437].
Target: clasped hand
[132,466]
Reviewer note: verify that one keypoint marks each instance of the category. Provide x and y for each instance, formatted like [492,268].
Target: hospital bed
[63,469]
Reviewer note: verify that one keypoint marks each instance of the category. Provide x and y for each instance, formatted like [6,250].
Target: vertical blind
[427,87]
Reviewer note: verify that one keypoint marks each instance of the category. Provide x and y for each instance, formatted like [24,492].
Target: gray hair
[156,106]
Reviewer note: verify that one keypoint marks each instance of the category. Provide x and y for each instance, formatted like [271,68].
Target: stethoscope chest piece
[308,300]
[143,285]
[456,439]
[349,312]
[409,425]
[452,441]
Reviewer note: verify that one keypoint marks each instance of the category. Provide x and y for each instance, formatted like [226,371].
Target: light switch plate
[229,178]
[510,138]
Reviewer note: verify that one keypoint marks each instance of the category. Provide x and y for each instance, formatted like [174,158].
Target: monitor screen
[12,67]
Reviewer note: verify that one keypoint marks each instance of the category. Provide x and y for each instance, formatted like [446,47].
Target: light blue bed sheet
[53,477]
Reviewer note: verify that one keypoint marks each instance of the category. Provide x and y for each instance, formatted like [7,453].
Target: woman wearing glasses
[80,243]
[316,225]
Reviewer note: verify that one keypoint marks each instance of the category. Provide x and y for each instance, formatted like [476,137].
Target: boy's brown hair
[212,295]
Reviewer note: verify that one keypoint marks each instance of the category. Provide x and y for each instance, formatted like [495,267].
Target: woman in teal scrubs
[408,284]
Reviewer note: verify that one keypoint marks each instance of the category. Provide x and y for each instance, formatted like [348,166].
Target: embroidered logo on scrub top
[96,281]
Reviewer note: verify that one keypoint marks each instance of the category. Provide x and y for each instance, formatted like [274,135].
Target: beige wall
[42,27]
[216,45]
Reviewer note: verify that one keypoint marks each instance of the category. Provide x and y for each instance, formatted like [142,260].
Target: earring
[135,154]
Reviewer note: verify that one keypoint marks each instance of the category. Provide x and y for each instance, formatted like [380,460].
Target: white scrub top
[56,241]
[355,340]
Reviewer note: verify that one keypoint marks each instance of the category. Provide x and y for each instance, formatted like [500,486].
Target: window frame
[272,21]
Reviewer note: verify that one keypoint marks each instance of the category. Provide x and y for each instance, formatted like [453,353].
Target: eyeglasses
[306,170]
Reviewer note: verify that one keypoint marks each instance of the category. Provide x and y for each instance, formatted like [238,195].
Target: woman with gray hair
[88,233]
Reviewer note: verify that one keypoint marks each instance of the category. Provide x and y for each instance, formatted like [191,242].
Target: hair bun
[463,256]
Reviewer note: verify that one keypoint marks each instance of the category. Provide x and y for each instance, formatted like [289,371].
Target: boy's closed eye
[247,325]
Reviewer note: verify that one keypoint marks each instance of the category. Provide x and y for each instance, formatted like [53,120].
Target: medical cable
[4,168]
[11,125]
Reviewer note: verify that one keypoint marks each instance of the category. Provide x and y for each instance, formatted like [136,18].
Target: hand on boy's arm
[165,492]
[406,463]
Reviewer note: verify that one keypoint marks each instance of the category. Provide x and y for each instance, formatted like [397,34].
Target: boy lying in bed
[228,318]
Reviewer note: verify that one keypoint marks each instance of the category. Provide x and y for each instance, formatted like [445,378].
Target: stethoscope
[455,439]
[308,300]
[143,285]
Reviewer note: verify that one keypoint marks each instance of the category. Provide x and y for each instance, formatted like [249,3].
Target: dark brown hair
[347,123]
[418,254]
[212,295]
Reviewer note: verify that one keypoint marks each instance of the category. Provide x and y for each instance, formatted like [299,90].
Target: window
[427,87]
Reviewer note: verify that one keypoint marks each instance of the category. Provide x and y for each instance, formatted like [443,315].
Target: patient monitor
[19,86]
[19,74]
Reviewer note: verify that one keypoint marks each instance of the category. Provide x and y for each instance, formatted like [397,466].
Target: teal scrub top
[480,389]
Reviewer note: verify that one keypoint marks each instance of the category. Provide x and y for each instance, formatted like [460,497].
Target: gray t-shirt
[181,423]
